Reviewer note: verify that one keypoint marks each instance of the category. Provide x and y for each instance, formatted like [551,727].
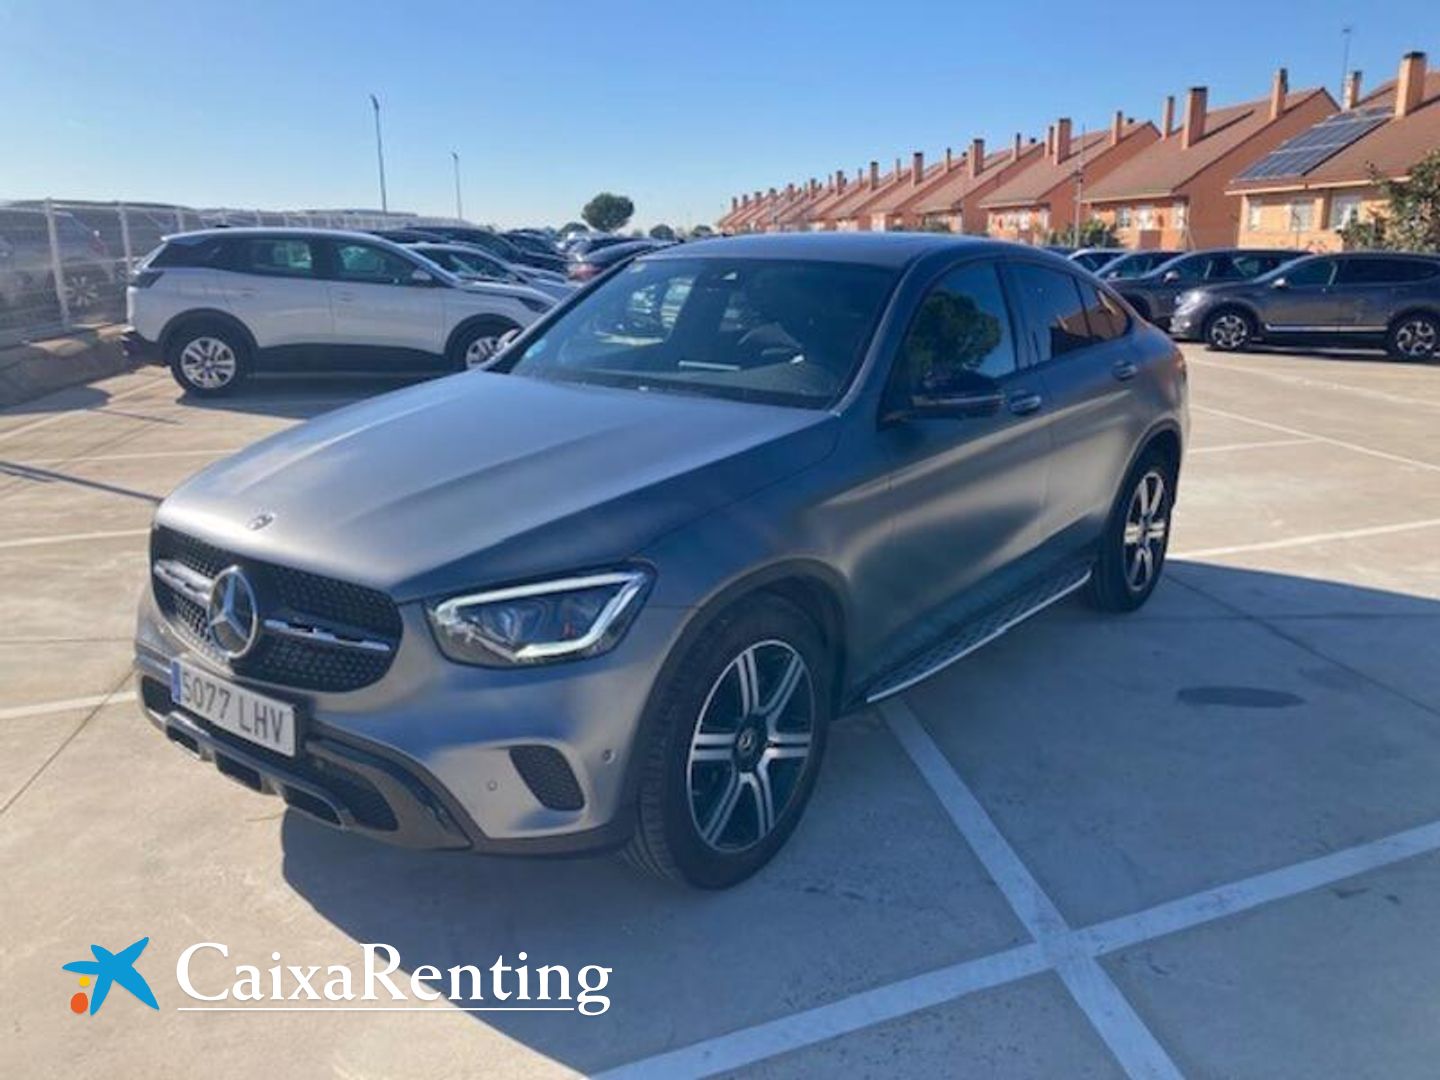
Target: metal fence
[63,265]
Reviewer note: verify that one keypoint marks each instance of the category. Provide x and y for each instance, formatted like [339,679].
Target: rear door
[967,491]
[1375,288]
[384,319]
[1086,355]
[273,285]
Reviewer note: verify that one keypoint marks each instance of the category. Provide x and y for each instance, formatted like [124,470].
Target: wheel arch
[1165,436]
[1430,311]
[204,315]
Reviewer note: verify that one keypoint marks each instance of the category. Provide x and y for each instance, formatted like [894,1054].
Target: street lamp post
[459,206]
[380,155]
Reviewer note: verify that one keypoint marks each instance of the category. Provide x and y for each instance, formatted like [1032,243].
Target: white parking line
[1357,447]
[20,712]
[1227,447]
[1302,541]
[1132,1043]
[1320,384]
[67,538]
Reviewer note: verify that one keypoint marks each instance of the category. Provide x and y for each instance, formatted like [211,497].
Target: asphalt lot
[1204,839]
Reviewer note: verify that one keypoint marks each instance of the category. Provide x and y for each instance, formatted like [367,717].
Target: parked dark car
[1097,258]
[27,279]
[1153,294]
[497,245]
[408,236]
[534,243]
[1135,264]
[612,591]
[1356,298]
[594,263]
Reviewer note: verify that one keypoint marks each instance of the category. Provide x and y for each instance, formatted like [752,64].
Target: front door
[1303,299]
[966,491]
[384,319]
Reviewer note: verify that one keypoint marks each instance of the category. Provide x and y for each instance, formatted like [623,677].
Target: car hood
[483,478]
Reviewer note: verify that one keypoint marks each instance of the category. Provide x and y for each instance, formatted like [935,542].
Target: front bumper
[139,348]
[430,756]
[1185,326]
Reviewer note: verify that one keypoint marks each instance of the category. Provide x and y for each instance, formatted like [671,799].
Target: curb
[32,370]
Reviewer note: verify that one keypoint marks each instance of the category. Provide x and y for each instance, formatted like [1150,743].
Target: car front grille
[317,633]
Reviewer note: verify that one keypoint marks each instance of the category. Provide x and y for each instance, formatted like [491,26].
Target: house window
[1252,214]
[1302,215]
[1179,219]
[1146,217]
[1344,209]
[1122,218]
[1024,219]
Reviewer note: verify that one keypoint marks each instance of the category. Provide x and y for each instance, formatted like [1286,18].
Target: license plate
[253,717]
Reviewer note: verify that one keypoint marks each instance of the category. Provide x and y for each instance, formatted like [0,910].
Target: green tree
[1410,220]
[1092,233]
[608,212]
[701,231]
[662,232]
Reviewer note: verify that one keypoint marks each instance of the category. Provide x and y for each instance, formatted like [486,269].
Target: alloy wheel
[208,363]
[481,349]
[1417,338]
[1146,527]
[750,746]
[82,292]
[1229,330]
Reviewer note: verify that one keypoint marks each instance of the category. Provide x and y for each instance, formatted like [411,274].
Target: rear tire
[1229,330]
[208,359]
[1414,337]
[1137,535]
[734,746]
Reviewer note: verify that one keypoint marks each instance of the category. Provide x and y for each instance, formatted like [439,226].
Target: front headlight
[562,619]
[1188,299]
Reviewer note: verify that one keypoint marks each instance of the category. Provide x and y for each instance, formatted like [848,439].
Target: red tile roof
[861,196]
[1164,167]
[1034,184]
[1391,149]
[959,183]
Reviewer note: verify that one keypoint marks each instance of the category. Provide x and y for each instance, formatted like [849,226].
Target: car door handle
[1125,369]
[1024,403]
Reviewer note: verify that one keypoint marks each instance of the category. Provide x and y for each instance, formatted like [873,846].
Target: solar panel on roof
[1298,155]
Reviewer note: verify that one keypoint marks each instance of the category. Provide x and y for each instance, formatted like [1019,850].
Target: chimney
[977,156]
[917,167]
[896,174]
[1167,117]
[745,200]
[1050,141]
[1410,86]
[1062,138]
[1352,90]
[1117,127]
[734,203]
[1015,148]
[1194,129]
[874,175]
[949,159]
[790,191]
[840,179]
[1279,91]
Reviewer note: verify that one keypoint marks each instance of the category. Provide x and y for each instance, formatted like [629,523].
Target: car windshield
[773,331]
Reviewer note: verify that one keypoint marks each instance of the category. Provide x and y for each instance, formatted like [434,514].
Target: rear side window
[1366,271]
[1054,310]
[196,253]
[962,326]
[285,256]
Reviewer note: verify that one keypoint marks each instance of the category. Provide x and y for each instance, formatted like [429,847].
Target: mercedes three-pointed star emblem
[232,616]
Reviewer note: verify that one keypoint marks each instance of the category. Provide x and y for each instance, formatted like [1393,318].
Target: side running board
[979,631]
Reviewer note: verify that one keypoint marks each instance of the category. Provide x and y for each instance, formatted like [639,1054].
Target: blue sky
[678,104]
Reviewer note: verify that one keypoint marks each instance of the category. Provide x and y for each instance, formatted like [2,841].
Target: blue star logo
[109,968]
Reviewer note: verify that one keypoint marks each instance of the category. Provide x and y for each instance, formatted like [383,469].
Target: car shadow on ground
[866,892]
[298,397]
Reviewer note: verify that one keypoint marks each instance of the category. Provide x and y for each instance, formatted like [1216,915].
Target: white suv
[219,304]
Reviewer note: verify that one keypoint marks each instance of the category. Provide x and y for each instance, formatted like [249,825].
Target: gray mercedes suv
[611,591]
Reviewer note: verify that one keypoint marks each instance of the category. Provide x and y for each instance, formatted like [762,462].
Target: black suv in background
[1135,264]
[1358,298]
[1153,294]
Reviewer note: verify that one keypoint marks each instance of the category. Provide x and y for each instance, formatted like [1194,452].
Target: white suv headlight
[561,619]
[1188,299]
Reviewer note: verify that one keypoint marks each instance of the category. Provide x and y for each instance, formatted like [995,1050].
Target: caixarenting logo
[108,969]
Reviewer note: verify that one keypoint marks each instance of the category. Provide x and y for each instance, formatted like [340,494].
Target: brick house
[853,214]
[1304,193]
[952,200]
[1173,194]
[887,212]
[1041,197]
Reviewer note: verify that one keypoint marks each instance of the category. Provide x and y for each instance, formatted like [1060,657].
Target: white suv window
[363,262]
[286,256]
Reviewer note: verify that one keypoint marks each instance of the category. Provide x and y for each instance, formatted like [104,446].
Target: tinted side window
[1054,310]
[1192,269]
[1365,271]
[361,262]
[188,253]
[1249,266]
[1106,318]
[962,326]
[287,256]
[1316,272]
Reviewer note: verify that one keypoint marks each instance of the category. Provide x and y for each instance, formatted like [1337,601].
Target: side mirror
[421,277]
[1171,276]
[953,394]
[1279,283]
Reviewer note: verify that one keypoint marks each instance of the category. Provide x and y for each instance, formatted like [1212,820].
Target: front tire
[738,734]
[479,343]
[1414,337]
[207,359]
[1137,535]
[1229,330]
